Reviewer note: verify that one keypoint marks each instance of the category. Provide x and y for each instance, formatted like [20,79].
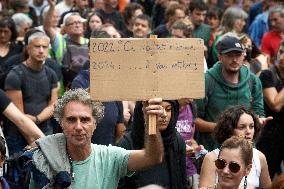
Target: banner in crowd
[139,69]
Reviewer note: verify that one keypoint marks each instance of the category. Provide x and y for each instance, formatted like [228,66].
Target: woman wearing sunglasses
[237,121]
[234,162]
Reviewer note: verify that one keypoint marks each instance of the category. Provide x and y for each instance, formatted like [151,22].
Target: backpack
[73,60]
[16,173]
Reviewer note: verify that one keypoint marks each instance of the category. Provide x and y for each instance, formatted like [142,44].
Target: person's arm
[273,99]
[16,97]
[131,106]
[26,126]
[266,48]
[119,132]
[154,149]
[264,179]
[126,111]
[204,126]
[47,25]
[120,127]
[47,112]
[208,170]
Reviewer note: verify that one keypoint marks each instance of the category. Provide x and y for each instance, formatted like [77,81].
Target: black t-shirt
[106,129]
[20,58]
[13,50]
[161,31]
[268,79]
[158,15]
[36,87]
[4,101]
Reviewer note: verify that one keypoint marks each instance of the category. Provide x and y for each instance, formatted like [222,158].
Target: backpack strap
[212,82]
[210,88]
[21,72]
[47,73]
[251,84]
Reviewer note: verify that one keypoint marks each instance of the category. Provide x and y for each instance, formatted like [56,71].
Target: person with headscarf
[171,172]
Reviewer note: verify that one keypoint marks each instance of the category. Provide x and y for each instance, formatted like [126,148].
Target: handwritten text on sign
[139,69]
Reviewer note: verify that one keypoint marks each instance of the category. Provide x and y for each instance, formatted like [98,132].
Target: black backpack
[16,174]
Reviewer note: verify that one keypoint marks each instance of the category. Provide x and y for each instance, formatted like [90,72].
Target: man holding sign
[69,160]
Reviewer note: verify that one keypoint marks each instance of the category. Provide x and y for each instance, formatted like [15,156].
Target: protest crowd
[54,135]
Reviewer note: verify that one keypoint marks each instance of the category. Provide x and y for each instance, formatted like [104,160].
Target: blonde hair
[236,142]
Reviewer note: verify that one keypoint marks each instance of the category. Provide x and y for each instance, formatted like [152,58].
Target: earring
[245,182]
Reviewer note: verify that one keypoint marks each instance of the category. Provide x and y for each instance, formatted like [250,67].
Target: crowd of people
[53,135]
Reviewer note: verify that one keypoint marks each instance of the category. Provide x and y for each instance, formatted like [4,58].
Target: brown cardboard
[140,69]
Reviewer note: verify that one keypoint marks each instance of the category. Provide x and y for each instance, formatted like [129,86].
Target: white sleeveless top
[253,177]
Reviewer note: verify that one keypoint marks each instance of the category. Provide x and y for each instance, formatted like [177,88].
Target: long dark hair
[88,31]
[9,23]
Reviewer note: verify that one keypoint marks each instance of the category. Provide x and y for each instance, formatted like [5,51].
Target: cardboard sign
[140,69]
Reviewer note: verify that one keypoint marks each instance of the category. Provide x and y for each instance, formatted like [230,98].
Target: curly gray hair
[79,95]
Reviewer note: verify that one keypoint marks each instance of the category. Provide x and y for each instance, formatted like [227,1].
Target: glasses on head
[234,167]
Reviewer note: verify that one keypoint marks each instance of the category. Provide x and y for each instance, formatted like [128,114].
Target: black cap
[229,44]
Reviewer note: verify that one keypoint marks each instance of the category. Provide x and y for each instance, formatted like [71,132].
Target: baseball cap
[228,44]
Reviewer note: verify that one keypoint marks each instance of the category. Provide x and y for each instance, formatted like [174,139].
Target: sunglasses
[234,167]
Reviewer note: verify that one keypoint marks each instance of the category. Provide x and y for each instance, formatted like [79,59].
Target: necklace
[71,167]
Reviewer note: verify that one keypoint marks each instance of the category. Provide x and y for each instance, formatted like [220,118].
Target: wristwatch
[37,121]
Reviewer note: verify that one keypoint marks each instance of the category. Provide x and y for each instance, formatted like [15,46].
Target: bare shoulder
[207,173]
[262,157]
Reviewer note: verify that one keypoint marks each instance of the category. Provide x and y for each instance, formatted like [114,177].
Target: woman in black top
[8,35]
[171,172]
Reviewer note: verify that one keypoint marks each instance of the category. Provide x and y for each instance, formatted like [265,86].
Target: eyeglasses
[234,167]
